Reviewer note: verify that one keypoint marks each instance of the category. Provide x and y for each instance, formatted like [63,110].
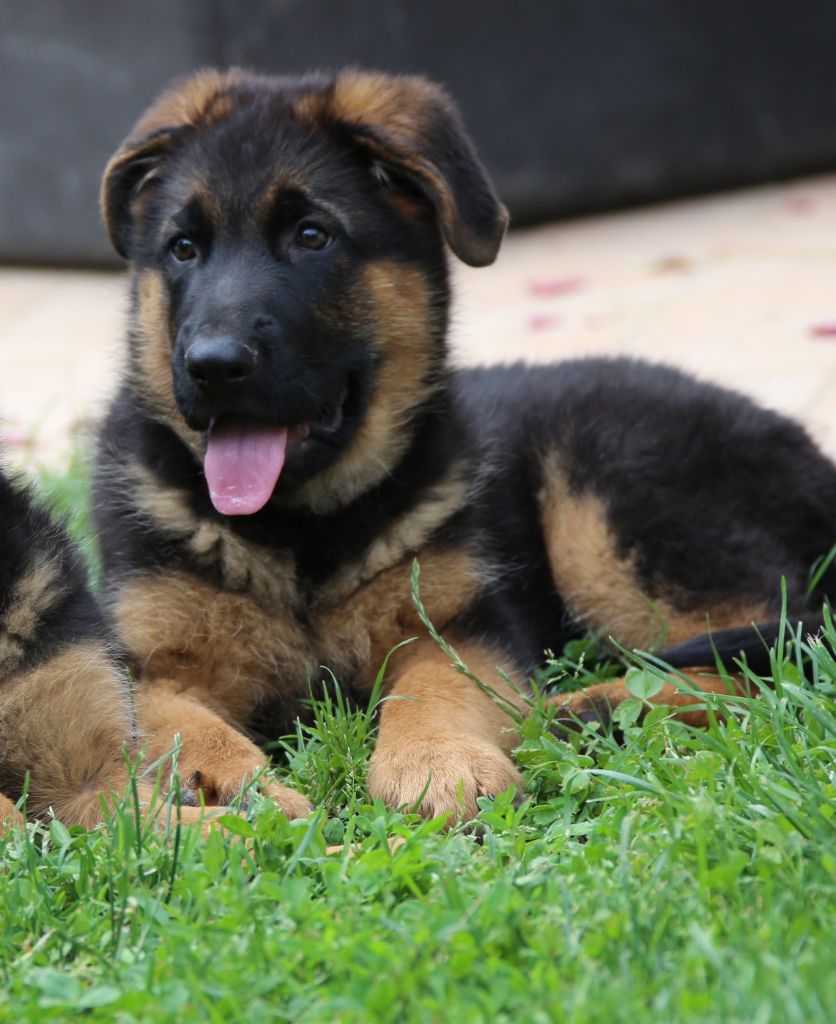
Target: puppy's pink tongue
[242,464]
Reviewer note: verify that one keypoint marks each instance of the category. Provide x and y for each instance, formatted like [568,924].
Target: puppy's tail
[750,642]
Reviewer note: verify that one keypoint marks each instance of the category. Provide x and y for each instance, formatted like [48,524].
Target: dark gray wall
[576,105]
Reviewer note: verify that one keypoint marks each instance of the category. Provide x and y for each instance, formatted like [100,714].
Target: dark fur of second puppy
[65,714]
[289,435]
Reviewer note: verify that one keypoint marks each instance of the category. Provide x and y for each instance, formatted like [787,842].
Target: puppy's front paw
[222,785]
[453,771]
[9,815]
[583,707]
[291,803]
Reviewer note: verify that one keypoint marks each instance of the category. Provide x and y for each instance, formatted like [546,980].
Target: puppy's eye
[183,249]
[312,236]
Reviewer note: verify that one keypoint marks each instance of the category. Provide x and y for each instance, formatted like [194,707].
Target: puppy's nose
[218,360]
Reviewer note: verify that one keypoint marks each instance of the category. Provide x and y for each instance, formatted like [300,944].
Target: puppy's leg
[595,703]
[9,815]
[66,723]
[204,653]
[216,760]
[443,742]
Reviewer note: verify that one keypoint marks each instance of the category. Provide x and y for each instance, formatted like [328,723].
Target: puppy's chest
[345,629]
[353,610]
[358,617]
[301,594]
[266,635]
[331,618]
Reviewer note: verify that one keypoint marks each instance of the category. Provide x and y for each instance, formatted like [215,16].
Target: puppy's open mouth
[245,457]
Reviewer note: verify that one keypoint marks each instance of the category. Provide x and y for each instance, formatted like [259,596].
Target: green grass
[683,875]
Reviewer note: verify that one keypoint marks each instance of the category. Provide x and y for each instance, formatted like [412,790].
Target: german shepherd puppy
[65,714]
[289,436]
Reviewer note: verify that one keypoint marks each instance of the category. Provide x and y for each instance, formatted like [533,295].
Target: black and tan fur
[67,720]
[541,503]
[65,716]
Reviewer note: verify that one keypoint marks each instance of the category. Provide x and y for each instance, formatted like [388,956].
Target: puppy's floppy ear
[413,125]
[139,161]
[128,175]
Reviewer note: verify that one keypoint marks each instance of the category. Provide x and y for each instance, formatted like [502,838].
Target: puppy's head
[287,238]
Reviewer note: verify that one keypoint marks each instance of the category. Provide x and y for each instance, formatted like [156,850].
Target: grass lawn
[677,876]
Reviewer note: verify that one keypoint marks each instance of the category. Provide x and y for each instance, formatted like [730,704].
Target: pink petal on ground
[11,438]
[542,321]
[564,285]
[823,329]
[800,203]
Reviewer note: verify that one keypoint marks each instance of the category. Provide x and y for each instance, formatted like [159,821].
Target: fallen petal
[800,204]
[12,438]
[542,321]
[564,285]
